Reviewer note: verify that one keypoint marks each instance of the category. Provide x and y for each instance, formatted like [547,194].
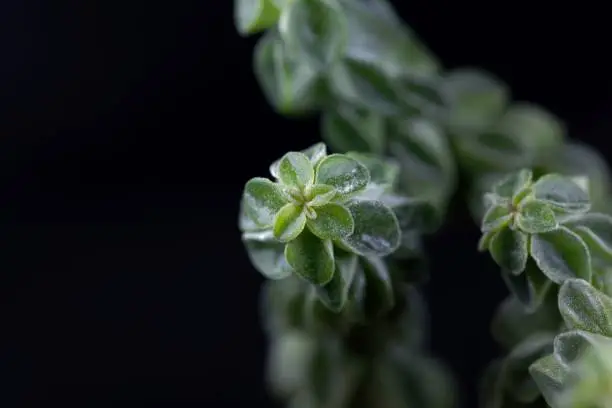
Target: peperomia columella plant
[339,233]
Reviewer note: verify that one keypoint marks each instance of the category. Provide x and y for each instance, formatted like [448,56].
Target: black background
[127,132]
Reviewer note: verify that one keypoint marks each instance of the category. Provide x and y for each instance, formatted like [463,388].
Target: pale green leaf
[289,222]
[262,200]
[561,255]
[509,249]
[484,243]
[379,295]
[562,194]
[530,288]
[332,221]
[311,258]
[314,153]
[536,217]
[585,308]
[384,171]
[514,183]
[252,16]
[496,217]
[268,258]
[315,30]
[295,170]
[550,376]
[377,231]
[320,194]
[345,174]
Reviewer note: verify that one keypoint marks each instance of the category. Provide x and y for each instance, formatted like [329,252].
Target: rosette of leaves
[524,229]
[577,373]
[318,210]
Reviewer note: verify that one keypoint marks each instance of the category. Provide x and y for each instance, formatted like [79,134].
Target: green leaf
[550,376]
[316,30]
[379,295]
[287,365]
[346,128]
[320,194]
[530,288]
[377,231]
[295,170]
[311,258]
[596,231]
[421,96]
[509,249]
[314,153]
[252,16]
[514,183]
[536,217]
[414,213]
[585,308]
[496,217]
[333,221]
[345,174]
[268,258]
[335,293]
[366,86]
[485,240]
[290,87]
[262,200]
[562,194]
[289,222]
[477,100]
[518,382]
[561,255]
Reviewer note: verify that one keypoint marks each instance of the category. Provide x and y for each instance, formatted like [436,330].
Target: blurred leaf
[379,296]
[377,231]
[596,231]
[288,360]
[509,249]
[311,258]
[268,258]
[561,255]
[290,87]
[334,294]
[383,171]
[530,288]
[585,308]
[253,16]
[347,128]
[315,30]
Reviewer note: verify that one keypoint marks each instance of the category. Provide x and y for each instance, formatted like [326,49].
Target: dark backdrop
[127,132]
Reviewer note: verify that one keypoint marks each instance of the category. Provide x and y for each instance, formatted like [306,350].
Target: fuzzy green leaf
[295,170]
[252,16]
[314,153]
[496,217]
[311,258]
[511,185]
[383,171]
[561,255]
[596,231]
[347,128]
[268,258]
[335,293]
[366,86]
[377,231]
[289,222]
[345,174]
[320,194]
[262,200]
[550,376]
[536,217]
[332,221]
[585,308]
[562,194]
[484,243]
[316,30]
[509,249]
